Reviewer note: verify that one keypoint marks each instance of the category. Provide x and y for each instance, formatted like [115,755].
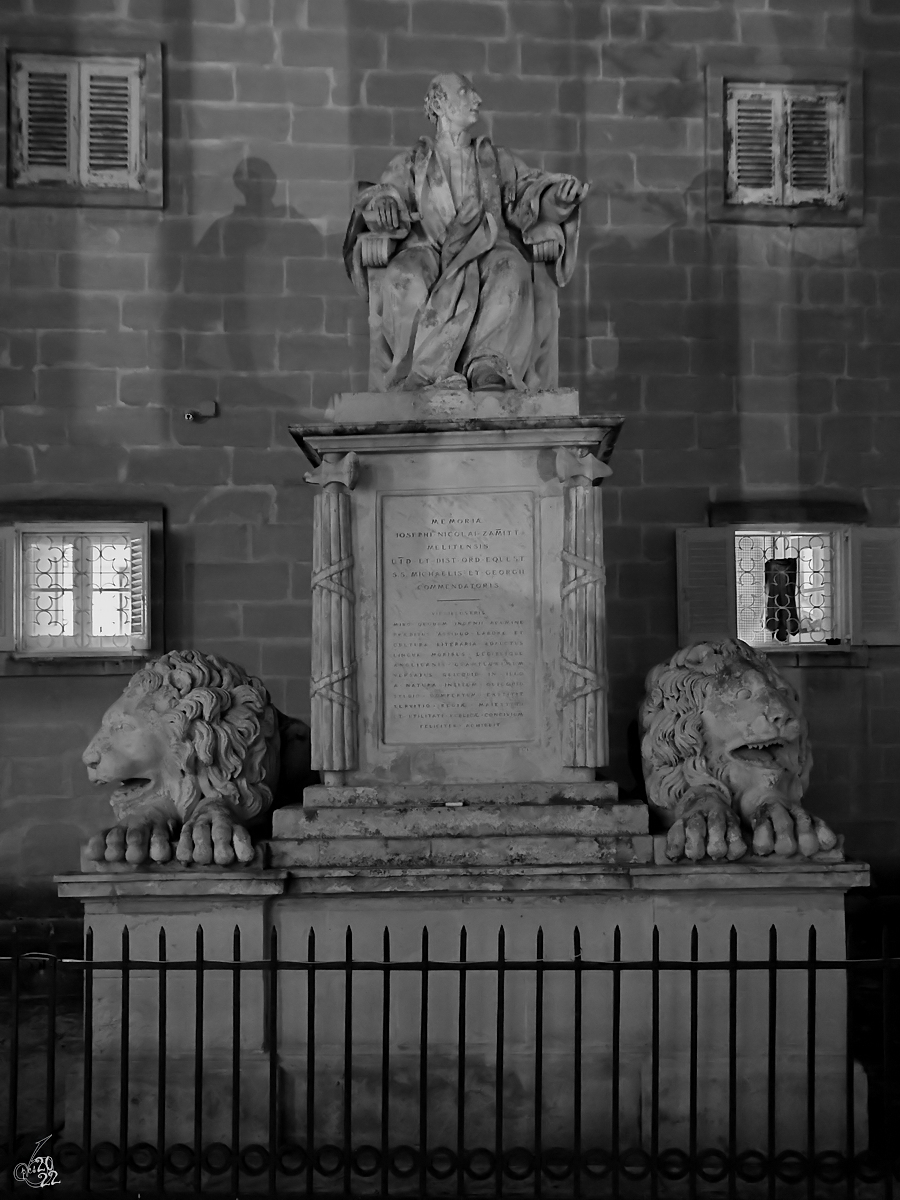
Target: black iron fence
[352,1076]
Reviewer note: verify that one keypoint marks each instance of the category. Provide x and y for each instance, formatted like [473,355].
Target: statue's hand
[135,841]
[571,191]
[213,835]
[707,826]
[384,215]
[784,830]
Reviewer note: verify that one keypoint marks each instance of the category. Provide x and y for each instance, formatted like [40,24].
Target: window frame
[151,193]
[24,662]
[718,209]
[706,554]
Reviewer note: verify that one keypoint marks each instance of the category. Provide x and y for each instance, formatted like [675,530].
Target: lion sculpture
[194,750]
[726,756]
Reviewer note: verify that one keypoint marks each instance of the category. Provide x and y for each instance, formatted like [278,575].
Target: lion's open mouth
[126,788]
[766,754]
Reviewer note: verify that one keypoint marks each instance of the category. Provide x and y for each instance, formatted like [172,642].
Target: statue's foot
[487,375]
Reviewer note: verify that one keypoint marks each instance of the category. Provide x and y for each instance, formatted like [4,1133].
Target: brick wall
[748,361]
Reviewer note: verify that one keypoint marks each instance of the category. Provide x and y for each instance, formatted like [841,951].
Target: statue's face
[131,752]
[461,103]
[752,735]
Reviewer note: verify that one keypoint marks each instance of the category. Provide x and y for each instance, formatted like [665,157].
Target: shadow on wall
[247,319]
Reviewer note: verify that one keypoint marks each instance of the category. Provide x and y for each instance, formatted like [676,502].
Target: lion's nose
[91,756]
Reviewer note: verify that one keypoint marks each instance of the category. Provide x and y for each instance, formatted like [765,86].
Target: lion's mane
[673,747]
[221,728]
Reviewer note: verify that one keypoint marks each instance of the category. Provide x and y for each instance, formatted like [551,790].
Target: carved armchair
[375,251]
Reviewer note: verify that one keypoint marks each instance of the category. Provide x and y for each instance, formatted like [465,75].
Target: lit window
[785,587]
[75,590]
[788,587]
[786,144]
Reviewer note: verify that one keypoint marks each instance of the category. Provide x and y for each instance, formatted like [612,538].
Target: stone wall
[748,360]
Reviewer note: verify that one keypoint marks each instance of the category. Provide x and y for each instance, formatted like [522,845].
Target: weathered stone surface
[193,750]
[459,851]
[403,794]
[465,672]
[586,820]
[743,757]
[436,402]
[459,250]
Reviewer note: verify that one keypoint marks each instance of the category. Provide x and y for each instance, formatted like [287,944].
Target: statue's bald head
[444,86]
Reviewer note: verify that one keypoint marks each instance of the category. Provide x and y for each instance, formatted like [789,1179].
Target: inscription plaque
[458,611]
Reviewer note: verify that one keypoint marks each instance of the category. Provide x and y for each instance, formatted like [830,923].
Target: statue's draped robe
[460,286]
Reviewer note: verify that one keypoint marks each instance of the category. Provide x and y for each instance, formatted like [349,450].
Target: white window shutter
[110,135]
[706,585]
[140,625]
[754,123]
[44,119]
[876,587]
[814,149]
[7,588]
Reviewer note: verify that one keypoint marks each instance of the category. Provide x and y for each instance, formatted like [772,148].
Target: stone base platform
[563,915]
[460,826]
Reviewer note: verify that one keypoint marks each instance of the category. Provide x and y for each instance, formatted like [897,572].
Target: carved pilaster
[333,677]
[583,651]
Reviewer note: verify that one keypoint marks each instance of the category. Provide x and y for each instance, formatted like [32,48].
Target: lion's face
[132,752]
[753,737]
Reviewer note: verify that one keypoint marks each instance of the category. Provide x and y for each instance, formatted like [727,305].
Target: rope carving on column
[333,676]
[582,653]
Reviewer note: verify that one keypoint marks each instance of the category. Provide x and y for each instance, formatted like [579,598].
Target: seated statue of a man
[462,226]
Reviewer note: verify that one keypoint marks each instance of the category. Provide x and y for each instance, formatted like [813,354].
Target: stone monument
[458,699]
[458,678]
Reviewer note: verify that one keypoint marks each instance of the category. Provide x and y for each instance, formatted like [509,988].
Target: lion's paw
[213,836]
[708,828]
[134,842]
[787,830]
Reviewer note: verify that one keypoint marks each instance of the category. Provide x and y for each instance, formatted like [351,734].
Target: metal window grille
[787,593]
[89,1051]
[83,591]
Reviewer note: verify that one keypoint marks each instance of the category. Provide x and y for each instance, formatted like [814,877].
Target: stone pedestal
[458,622]
[345,917]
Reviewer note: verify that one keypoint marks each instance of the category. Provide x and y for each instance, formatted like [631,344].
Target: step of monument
[579,820]
[458,851]
[384,795]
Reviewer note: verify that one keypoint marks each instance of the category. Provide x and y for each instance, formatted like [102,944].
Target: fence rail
[662,1076]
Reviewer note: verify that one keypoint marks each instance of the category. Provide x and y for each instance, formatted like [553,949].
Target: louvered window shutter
[44,118]
[813,147]
[139,624]
[754,145]
[110,134]
[706,585]
[7,588]
[876,587]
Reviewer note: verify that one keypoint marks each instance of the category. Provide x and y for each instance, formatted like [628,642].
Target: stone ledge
[166,881]
[483,821]
[455,851]
[408,795]
[437,401]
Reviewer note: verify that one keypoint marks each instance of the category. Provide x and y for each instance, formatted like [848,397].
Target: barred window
[786,588]
[74,590]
